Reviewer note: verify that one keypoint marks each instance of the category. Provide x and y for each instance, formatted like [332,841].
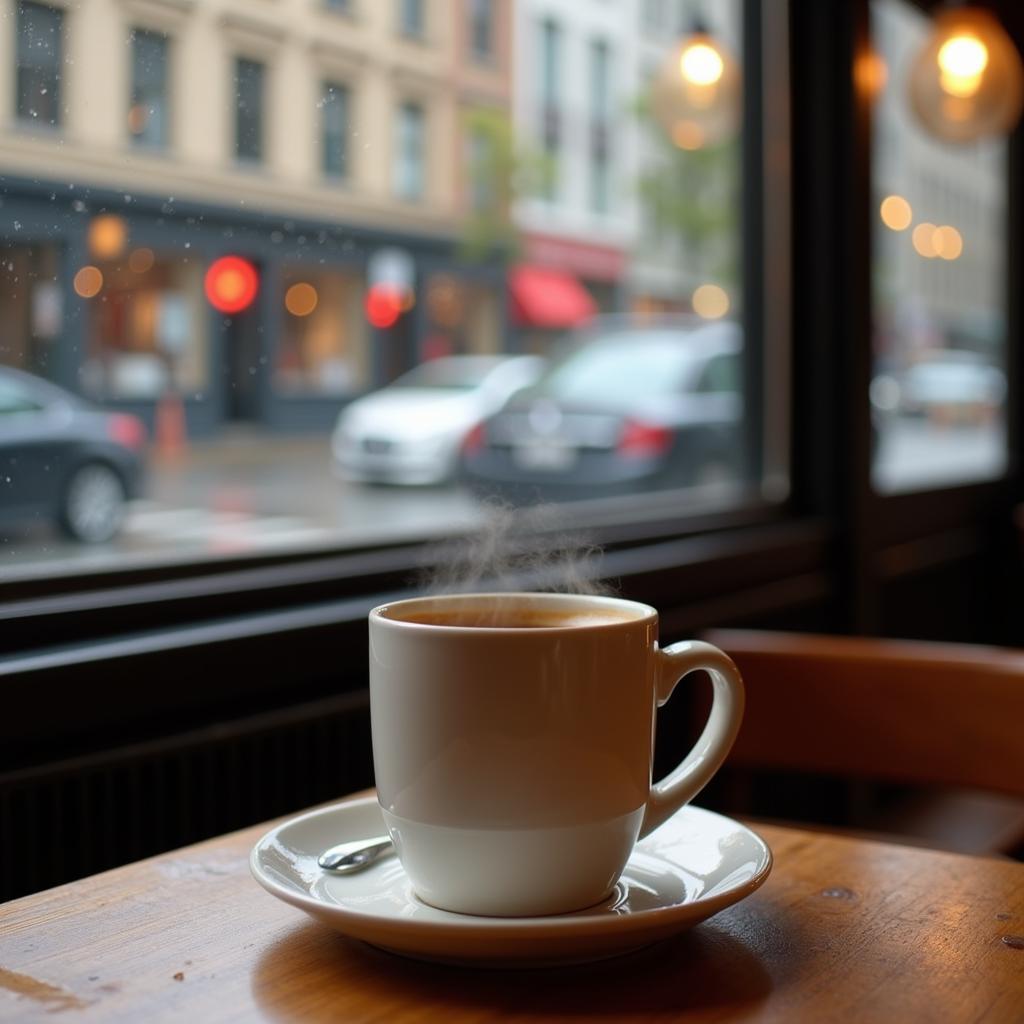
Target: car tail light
[640,439]
[126,430]
[474,440]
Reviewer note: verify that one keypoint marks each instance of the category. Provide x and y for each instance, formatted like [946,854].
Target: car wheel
[93,505]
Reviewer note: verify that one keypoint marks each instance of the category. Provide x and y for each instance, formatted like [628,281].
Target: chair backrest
[893,710]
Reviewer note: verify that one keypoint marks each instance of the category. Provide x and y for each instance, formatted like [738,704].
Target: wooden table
[844,930]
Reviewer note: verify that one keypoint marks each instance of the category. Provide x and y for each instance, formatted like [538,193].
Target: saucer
[694,865]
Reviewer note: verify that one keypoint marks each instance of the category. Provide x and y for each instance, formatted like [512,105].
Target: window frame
[56,86]
[137,140]
[858,543]
[335,91]
[238,157]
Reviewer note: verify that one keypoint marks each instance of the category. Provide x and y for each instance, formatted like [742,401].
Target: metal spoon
[348,858]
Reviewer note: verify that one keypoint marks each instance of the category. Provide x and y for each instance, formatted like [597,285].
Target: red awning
[548,298]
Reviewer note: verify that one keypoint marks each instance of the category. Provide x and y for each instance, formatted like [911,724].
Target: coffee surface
[516,617]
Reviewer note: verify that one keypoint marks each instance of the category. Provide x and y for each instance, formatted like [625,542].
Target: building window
[148,113]
[481,28]
[39,59]
[600,127]
[481,170]
[324,348]
[411,20]
[409,167]
[550,101]
[146,328]
[336,106]
[341,6]
[249,86]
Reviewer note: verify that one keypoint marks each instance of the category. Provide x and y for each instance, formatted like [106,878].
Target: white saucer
[694,865]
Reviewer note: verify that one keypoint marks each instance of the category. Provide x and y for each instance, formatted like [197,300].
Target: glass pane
[147,115]
[365,286]
[248,110]
[39,47]
[335,104]
[938,396]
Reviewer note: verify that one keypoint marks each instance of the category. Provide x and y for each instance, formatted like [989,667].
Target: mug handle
[693,774]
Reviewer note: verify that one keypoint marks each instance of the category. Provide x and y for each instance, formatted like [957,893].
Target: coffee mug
[513,738]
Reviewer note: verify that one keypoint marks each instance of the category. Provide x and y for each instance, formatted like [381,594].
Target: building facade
[143,141]
[574,75]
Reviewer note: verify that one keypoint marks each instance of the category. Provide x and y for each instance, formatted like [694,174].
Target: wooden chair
[907,712]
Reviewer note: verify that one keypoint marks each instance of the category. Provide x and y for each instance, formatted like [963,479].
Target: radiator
[64,820]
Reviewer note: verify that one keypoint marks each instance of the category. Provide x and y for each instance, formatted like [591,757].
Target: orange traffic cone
[171,434]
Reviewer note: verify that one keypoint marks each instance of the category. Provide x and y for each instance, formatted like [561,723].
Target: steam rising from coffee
[517,549]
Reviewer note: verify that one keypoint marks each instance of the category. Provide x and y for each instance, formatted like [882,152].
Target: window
[40,56]
[335,105]
[325,347]
[481,28]
[409,168]
[411,18]
[249,87]
[550,100]
[146,336]
[939,218]
[341,6]
[250,320]
[147,114]
[480,157]
[600,127]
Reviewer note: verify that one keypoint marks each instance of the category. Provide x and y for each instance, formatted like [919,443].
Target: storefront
[110,298]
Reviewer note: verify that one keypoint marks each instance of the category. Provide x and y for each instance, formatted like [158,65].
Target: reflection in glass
[939,388]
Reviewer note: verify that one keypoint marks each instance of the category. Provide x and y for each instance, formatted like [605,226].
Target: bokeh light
[896,213]
[88,282]
[108,235]
[231,284]
[924,240]
[962,61]
[947,242]
[383,306]
[710,301]
[140,260]
[301,299]
[701,64]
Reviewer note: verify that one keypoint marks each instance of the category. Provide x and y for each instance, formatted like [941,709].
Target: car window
[14,398]
[454,374]
[620,370]
[722,374]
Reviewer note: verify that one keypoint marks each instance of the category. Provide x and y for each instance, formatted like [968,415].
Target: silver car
[410,432]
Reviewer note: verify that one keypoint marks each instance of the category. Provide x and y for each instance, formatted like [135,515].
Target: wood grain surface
[844,930]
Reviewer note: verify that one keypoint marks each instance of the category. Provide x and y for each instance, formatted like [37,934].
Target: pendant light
[695,97]
[967,83]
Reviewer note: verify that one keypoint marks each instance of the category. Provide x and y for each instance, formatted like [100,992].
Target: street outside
[253,492]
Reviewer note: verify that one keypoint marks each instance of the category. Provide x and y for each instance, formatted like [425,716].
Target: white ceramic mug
[513,761]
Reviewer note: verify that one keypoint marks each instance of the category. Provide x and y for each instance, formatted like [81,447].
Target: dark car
[63,460]
[632,409]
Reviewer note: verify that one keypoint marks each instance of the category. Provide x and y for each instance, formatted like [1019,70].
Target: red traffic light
[231,284]
[383,305]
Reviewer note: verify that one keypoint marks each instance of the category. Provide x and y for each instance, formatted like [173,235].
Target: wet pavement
[251,492]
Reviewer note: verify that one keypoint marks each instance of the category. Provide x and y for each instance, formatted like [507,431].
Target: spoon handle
[347,858]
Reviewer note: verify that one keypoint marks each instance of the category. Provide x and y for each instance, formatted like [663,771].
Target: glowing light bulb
[962,61]
[701,64]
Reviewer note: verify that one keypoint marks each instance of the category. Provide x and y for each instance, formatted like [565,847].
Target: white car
[410,432]
[953,385]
